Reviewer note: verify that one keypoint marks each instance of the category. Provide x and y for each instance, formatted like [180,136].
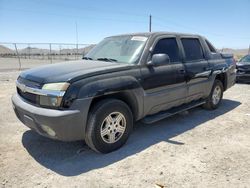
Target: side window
[168,46]
[193,49]
[211,48]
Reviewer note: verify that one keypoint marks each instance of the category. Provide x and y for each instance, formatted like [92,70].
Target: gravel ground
[198,148]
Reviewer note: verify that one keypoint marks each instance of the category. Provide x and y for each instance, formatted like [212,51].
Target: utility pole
[249,50]
[76,40]
[150,23]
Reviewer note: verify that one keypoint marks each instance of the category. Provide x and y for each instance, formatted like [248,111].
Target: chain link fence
[19,56]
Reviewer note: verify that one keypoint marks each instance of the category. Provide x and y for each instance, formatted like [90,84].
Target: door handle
[207,68]
[182,71]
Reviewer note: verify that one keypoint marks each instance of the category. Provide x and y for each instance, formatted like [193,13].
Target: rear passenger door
[196,66]
[164,85]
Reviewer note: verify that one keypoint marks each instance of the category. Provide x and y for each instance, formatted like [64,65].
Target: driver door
[164,85]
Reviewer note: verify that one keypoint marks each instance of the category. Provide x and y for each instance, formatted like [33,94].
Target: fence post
[29,50]
[60,48]
[19,61]
[50,53]
[77,50]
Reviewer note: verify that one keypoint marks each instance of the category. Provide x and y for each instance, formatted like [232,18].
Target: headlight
[63,86]
[55,92]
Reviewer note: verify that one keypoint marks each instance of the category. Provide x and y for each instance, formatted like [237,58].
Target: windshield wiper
[87,58]
[106,59]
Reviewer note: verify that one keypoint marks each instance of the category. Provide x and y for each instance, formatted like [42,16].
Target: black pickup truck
[124,79]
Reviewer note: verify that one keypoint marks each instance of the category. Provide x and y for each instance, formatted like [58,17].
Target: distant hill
[31,50]
[235,51]
[87,49]
[5,50]
[80,50]
[238,53]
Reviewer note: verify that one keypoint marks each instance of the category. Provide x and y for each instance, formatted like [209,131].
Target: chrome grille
[30,97]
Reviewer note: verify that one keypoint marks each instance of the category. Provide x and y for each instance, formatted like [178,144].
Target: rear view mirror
[159,59]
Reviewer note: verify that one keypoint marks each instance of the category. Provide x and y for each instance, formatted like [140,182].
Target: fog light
[48,130]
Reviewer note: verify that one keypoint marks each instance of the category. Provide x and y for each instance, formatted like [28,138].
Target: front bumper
[68,125]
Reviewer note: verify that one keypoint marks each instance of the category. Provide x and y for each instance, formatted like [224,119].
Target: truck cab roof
[155,34]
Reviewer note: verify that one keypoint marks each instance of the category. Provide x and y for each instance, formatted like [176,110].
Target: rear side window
[211,48]
[168,46]
[193,49]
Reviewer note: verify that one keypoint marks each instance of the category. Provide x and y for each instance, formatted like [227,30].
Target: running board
[175,110]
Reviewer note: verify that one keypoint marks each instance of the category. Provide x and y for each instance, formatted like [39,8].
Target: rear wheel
[215,97]
[109,125]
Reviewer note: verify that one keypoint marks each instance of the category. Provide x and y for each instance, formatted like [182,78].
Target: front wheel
[109,125]
[215,97]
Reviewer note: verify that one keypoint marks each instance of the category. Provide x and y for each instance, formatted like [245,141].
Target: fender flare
[112,86]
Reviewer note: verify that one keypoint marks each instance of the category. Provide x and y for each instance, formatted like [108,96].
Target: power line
[192,29]
[157,21]
[73,16]
[41,43]
[83,7]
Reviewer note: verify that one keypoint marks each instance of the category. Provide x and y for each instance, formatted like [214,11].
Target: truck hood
[71,71]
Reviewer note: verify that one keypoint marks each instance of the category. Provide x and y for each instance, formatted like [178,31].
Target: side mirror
[225,55]
[159,59]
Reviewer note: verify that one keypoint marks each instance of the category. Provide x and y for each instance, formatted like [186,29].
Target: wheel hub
[216,95]
[113,127]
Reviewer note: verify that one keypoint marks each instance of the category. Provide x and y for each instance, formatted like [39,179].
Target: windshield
[245,59]
[122,49]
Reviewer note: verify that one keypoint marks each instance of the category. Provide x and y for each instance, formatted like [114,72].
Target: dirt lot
[7,64]
[195,149]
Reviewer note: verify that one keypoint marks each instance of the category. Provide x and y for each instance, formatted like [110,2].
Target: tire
[216,92]
[110,123]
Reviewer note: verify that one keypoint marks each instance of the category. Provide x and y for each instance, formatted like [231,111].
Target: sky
[226,23]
